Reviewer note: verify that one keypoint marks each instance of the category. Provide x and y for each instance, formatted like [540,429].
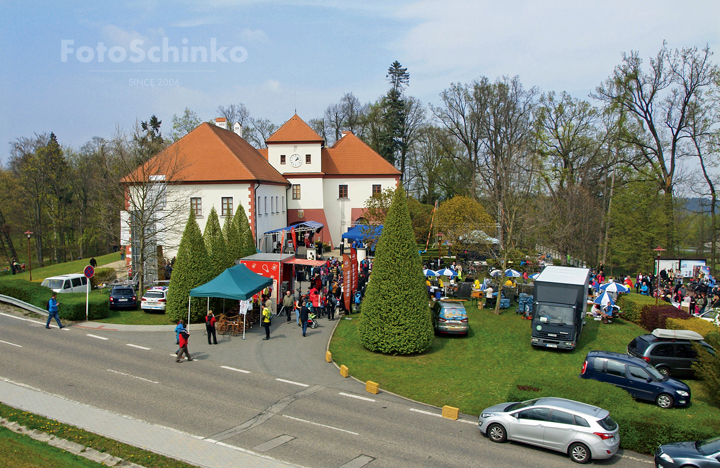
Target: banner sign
[354,266]
[347,281]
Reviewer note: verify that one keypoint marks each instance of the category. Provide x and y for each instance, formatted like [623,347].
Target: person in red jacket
[210,326]
[184,337]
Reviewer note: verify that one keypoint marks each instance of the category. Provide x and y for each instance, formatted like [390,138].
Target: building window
[308,158]
[272,205]
[283,203]
[257,207]
[227,206]
[282,159]
[196,205]
[296,191]
[277,204]
[265,205]
[343,191]
[376,189]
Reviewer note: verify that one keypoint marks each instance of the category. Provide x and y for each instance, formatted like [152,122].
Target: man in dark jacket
[304,312]
[210,321]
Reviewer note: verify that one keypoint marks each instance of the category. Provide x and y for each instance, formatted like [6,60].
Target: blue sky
[305,54]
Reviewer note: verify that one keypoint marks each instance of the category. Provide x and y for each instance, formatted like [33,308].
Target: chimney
[237,128]
[221,122]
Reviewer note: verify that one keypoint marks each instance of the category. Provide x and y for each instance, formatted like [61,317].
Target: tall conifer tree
[395,313]
[192,269]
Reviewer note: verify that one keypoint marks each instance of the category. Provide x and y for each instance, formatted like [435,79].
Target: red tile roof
[210,154]
[294,130]
[351,156]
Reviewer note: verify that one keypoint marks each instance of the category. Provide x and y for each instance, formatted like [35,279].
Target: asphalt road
[276,397]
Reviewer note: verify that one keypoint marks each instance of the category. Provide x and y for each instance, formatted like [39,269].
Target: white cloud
[272,86]
[254,35]
[119,36]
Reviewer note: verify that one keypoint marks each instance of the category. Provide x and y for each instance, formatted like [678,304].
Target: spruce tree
[395,313]
[247,240]
[192,269]
[232,240]
[217,250]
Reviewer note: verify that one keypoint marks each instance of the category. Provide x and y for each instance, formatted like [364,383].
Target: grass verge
[136,317]
[79,436]
[21,451]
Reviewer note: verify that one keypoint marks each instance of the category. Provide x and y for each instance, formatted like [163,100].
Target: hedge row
[103,275]
[693,323]
[643,426]
[632,304]
[653,317]
[72,305]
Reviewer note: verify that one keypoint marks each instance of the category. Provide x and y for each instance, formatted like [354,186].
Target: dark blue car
[639,378]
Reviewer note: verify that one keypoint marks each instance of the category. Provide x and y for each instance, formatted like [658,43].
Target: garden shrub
[707,367]
[631,305]
[103,275]
[643,426]
[72,305]
[656,316]
[693,323]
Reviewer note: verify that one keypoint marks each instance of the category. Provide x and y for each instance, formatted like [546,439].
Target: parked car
[638,377]
[154,299]
[66,283]
[450,317]
[711,315]
[670,351]
[123,297]
[699,454]
[582,431]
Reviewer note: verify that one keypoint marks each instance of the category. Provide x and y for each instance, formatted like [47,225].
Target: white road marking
[233,369]
[98,337]
[21,318]
[321,425]
[11,344]
[637,459]
[356,396]
[474,423]
[426,412]
[138,347]
[294,383]
[130,375]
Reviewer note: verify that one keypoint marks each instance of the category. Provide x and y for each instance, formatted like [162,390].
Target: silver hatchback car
[582,431]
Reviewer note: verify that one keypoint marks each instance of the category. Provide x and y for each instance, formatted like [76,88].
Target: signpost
[89,273]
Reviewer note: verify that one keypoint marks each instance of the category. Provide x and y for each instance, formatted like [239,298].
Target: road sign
[89,271]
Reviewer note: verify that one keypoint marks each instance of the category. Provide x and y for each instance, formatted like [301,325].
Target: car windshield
[708,446]
[554,314]
[523,404]
[53,284]
[154,294]
[453,313]
[656,374]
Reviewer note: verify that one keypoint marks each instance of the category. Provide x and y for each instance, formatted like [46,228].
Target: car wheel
[664,401]
[663,370]
[579,453]
[496,433]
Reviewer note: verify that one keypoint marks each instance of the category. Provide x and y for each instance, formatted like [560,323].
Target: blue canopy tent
[237,283]
[300,228]
[363,232]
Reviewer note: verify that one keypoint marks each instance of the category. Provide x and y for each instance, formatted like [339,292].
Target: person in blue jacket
[180,327]
[53,311]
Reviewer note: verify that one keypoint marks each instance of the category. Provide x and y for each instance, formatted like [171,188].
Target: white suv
[155,299]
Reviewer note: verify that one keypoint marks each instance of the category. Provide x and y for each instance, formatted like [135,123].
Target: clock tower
[295,148]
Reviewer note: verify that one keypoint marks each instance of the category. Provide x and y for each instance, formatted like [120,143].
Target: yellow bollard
[372,387]
[344,371]
[328,356]
[450,412]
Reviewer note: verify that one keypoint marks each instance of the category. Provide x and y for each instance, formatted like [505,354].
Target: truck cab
[560,299]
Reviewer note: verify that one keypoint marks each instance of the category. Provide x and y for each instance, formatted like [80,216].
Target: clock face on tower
[295,160]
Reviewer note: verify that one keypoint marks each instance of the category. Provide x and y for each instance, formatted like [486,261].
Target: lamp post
[29,235]
[657,273]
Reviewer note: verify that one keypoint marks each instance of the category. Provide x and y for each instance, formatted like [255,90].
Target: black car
[699,454]
[670,351]
[639,378]
[123,297]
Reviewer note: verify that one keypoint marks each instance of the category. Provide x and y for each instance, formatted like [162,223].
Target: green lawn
[21,451]
[487,367]
[75,266]
[136,317]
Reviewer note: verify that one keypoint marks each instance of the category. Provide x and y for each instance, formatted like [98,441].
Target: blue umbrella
[604,299]
[512,273]
[614,287]
[429,273]
[445,272]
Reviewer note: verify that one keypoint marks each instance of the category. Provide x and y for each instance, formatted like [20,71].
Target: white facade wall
[302,149]
[271,211]
[311,194]
[338,211]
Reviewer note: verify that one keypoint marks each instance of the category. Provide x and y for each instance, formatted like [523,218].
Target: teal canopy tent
[237,283]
